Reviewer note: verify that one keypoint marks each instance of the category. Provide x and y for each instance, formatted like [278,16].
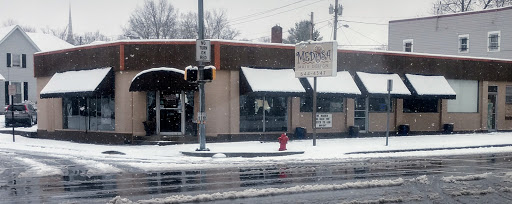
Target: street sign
[316,59]
[203,51]
[12,89]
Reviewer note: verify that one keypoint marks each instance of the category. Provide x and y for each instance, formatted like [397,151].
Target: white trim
[499,40]
[459,43]
[408,41]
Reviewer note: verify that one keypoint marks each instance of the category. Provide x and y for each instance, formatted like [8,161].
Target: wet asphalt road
[451,179]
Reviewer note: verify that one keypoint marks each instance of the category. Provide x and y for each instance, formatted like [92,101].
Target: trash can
[448,128]
[300,133]
[403,130]
[353,131]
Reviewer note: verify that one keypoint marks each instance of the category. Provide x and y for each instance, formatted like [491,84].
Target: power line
[276,13]
[364,35]
[366,22]
[263,12]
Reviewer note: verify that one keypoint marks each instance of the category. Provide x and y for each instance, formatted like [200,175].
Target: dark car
[24,115]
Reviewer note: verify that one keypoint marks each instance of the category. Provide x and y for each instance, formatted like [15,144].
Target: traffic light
[209,73]
[191,74]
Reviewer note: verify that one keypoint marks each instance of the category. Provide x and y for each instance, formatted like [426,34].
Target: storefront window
[89,113]
[467,96]
[421,105]
[379,104]
[263,114]
[324,104]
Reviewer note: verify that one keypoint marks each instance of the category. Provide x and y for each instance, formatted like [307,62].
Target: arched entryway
[170,100]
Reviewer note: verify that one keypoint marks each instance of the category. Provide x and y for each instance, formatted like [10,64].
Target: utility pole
[201,82]
[311,33]
[335,19]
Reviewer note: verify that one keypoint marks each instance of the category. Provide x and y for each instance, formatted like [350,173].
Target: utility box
[448,128]
[300,133]
[353,131]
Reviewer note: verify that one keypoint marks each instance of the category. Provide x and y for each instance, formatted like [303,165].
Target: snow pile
[378,83]
[466,192]
[421,179]
[430,85]
[250,193]
[38,168]
[76,81]
[453,179]
[273,80]
[342,83]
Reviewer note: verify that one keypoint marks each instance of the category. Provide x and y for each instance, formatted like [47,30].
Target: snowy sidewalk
[169,157]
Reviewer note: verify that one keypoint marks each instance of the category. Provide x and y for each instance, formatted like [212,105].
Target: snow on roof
[76,81]
[47,42]
[5,30]
[430,85]
[377,83]
[273,80]
[159,69]
[2,78]
[342,83]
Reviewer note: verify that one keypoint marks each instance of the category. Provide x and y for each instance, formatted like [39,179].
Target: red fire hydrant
[282,142]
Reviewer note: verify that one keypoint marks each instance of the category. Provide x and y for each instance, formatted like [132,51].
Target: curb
[429,149]
[242,154]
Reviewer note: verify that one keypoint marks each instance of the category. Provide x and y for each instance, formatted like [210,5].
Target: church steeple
[69,38]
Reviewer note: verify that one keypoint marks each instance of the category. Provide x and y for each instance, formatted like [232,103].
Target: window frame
[508,96]
[466,36]
[306,107]
[385,98]
[404,43]
[498,34]
[22,60]
[424,101]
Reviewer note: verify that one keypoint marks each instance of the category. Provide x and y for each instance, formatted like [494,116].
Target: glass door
[491,107]
[361,114]
[170,113]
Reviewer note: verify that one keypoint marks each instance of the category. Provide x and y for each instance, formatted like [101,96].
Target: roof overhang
[341,85]
[423,86]
[91,82]
[260,81]
[161,79]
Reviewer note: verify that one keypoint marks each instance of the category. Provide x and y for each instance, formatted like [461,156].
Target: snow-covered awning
[80,83]
[376,84]
[429,86]
[2,78]
[341,84]
[270,81]
[161,79]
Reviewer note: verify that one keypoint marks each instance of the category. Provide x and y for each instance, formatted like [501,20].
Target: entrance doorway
[171,111]
[361,114]
[492,98]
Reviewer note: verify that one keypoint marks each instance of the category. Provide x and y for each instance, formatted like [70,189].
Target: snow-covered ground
[151,158]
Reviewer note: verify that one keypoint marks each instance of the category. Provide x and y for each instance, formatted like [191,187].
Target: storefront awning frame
[429,86]
[161,79]
[270,82]
[80,83]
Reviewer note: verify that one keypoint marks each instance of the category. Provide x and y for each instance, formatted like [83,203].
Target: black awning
[423,86]
[90,82]
[161,79]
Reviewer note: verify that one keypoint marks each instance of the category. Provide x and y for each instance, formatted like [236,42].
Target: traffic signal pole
[201,82]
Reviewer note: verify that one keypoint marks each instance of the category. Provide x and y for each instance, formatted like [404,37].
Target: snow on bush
[249,193]
[453,179]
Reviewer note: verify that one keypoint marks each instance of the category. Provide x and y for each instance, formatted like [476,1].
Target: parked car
[24,115]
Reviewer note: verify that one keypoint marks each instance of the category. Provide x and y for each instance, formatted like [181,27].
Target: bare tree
[154,20]
[11,22]
[90,37]
[188,26]
[456,6]
[301,33]
[217,26]
[58,32]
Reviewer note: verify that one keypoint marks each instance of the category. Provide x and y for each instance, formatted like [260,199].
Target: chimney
[277,34]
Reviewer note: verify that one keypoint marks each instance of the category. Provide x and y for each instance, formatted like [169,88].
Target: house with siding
[17,50]
[486,33]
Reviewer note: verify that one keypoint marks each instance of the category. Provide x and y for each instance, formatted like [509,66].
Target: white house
[486,33]
[17,50]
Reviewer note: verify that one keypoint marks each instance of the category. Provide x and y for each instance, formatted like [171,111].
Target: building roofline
[17,27]
[452,14]
[267,45]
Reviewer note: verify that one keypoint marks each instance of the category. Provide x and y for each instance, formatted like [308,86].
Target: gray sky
[108,16]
